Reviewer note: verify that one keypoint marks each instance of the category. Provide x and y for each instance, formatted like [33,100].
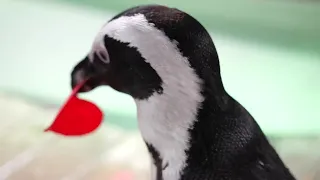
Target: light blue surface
[40,44]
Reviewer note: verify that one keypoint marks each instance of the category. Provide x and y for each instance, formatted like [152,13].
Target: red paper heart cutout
[77,116]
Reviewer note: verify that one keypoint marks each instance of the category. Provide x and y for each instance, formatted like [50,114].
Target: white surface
[26,152]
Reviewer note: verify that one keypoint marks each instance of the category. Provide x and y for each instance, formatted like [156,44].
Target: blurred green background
[269,53]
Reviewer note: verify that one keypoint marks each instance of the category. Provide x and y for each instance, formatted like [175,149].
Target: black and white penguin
[194,130]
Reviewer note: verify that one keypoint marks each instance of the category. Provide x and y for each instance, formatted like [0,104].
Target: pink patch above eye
[77,116]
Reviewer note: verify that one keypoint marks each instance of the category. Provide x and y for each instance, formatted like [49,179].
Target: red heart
[77,116]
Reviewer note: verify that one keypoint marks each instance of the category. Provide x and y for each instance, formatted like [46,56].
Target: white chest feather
[164,119]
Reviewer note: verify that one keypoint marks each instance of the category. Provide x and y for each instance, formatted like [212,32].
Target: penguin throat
[165,119]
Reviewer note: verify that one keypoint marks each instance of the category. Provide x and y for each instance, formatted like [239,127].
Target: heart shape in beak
[77,116]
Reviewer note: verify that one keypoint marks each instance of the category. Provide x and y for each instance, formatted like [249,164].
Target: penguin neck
[165,120]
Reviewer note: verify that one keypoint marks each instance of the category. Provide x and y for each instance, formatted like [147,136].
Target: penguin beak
[85,70]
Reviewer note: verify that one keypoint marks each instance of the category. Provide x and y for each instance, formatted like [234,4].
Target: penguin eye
[99,50]
[103,56]
[97,64]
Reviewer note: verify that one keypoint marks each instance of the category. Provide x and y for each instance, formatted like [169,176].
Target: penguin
[194,130]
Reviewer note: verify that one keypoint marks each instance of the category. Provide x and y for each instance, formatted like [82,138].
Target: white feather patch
[99,48]
[164,119]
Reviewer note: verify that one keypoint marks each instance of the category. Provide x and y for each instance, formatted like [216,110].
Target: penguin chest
[167,136]
[168,157]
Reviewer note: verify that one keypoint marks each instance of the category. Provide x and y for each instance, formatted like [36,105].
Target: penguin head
[146,49]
